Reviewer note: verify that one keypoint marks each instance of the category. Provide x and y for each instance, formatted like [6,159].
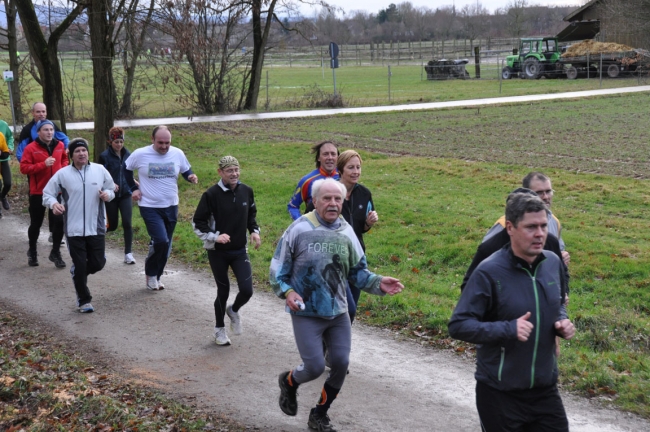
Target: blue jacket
[303,190]
[29,134]
[500,290]
[116,166]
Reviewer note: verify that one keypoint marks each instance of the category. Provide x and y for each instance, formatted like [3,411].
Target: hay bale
[592,47]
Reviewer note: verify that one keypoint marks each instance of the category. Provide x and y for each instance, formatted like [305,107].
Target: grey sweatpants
[310,332]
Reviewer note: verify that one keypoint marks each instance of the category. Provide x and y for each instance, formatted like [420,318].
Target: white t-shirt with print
[158,175]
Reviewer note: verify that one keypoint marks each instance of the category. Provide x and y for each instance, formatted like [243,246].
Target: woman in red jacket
[41,159]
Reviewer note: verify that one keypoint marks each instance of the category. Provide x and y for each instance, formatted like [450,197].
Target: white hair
[318,184]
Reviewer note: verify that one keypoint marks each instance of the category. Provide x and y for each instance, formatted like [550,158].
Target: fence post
[267,89]
[389,74]
[477,61]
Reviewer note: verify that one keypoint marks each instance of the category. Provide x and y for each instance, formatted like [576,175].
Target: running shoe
[152,283]
[220,336]
[161,286]
[86,308]
[55,257]
[32,258]
[235,321]
[128,258]
[288,395]
[320,422]
[5,203]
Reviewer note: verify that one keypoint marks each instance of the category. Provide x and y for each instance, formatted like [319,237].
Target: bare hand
[565,328]
[566,257]
[193,178]
[116,188]
[103,195]
[390,285]
[58,209]
[49,161]
[256,240]
[223,238]
[372,218]
[524,327]
[136,195]
[292,298]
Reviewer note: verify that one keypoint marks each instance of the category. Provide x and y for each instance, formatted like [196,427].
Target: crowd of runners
[513,298]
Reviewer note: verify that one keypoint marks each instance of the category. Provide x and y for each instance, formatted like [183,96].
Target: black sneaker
[55,257]
[32,258]
[5,203]
[320,422]
[288,402]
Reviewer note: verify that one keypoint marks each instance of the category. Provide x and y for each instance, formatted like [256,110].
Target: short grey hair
[318,184]
[520,203]
[535,175]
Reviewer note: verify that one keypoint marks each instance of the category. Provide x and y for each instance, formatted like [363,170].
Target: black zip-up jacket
[116,166]
[501,290]
[224,211]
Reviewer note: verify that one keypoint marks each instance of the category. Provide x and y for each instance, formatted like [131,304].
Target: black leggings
[36,216]
[121,205]
[5,182]
[241,266]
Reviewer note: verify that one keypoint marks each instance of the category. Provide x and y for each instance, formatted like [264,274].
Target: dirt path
[163,339]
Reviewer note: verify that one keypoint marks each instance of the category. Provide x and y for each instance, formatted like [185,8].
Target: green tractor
[537,57]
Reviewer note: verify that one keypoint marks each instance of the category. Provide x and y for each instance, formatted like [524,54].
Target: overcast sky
[373,6]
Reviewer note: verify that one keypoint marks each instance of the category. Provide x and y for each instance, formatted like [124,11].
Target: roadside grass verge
[439,180]
[46,387]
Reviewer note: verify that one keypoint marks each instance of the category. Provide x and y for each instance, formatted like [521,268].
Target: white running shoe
[235,321]
[152,283]
[220,336]
[161,286]
[86,308]
[128,259]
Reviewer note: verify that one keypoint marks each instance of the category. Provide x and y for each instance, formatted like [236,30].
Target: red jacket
[33,164]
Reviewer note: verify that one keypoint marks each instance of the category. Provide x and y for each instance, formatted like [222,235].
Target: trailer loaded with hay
[542,57]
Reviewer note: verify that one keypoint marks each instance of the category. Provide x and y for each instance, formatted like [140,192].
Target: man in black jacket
[226,211]
[512,308]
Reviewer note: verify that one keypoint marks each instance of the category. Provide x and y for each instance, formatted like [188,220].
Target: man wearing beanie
[41,159]
[158,167]
[29,132]
[85,187]
[225,213]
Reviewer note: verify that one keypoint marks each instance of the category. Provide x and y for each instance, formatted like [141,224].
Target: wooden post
[477,61]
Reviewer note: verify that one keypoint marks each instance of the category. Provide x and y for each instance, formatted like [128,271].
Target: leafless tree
[516,17]
[14,62]
[44,51]
[209,34]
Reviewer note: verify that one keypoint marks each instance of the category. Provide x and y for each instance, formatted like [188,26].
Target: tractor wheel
[572,73]
[532,68]
[613,71]
[506,73]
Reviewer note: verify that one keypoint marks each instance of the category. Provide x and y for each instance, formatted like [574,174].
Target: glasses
[547,192]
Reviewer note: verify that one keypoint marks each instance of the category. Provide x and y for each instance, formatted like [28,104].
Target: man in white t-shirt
[158,166]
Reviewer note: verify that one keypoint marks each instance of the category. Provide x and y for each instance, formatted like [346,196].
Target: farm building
[619,21]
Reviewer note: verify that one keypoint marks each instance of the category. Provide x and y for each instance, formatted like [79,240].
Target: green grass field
[285,88]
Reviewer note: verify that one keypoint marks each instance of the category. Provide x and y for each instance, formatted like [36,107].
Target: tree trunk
[260,38]
[44,52]
[12,43]
[136,42]
[101,45]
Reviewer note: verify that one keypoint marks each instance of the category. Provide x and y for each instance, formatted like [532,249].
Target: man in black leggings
[316,258]
[226,211]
